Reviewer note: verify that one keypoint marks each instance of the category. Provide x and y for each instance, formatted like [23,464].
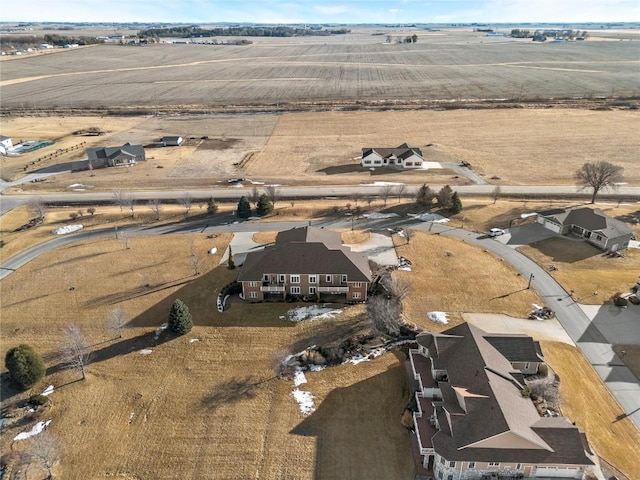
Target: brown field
[449,65]
[209,409]
[587,402]
[517,146]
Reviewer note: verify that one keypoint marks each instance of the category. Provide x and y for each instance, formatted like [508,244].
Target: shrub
[91,210]
[620,302]
[212,206]
[38,400]
[264,205]
[244,208]
[25,366]
[180,320]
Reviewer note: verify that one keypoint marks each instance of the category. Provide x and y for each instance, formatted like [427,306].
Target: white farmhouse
[402,157]
[5,144]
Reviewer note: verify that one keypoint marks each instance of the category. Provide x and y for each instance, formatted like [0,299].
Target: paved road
[584,333]
[8,202]
[618,378]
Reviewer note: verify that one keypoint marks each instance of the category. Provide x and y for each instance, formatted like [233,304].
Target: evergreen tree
[264,205]
[212,206]
[425,197]
[444,197]
[244,208]
[180,321]
[25,365]
[231,263]
[456,204]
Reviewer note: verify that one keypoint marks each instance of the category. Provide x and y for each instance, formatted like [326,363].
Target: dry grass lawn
[205,409]
[630,355]
[587,402]
[452,276]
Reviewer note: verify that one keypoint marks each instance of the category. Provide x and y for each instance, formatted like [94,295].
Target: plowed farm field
[450,65]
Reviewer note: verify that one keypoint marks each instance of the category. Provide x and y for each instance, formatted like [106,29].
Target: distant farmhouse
[401,157]
[171,141]
[6,144]
[306,262]
[102,157]
[589,223]
[473,418]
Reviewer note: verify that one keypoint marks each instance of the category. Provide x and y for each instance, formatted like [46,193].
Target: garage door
[556,472]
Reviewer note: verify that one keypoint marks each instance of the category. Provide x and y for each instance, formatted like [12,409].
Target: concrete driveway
[525,235]
[242,243]
[548,330]
[617,325]
[379,248]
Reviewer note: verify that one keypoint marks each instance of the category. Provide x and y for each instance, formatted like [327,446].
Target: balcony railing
[333,289]
[272,288]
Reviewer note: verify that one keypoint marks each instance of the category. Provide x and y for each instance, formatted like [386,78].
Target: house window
[355,295]
[598,237]
[313,279]
[282,278]
[295,290]
[328,278]
[494,464]
[519,466]
[344,279]
[357,284]
[253,284]
[472,464]
[294,278]
[253,294]
[443,461]
[452,464]
[265,277]
[312,290]
[450,477]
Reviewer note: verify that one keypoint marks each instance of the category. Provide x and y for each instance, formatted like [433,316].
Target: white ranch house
[401,157]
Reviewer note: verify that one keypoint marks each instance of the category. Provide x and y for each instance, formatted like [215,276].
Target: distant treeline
[17,42]
[196,32]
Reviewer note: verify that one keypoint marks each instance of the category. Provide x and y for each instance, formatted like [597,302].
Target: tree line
[194,31]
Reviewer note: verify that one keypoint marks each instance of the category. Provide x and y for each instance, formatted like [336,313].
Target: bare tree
[124,238]
[398,287]
[399,190]
[155,206]
[254,196]
[356,197]
[385,315]
[117,198]
[273,192]
[385,193]
[117,319]
[75,349]
[129,201]
[44,449]
[598,176]
[195,259]
[38,208]
[496,193]
[186,201]
[368,199]
[409,233]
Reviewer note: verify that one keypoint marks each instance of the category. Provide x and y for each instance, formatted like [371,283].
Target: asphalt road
[618,378]
[8,202]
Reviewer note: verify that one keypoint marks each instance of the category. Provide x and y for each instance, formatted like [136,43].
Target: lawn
[587,402]
[209,408]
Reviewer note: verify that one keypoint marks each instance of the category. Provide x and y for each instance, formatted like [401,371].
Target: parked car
[495,232]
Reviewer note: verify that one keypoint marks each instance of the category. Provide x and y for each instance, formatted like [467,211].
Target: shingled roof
[111,152]
[306,251]
[592,219]
[401,151]
[482,408]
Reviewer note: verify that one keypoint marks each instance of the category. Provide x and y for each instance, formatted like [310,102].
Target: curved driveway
[618,378]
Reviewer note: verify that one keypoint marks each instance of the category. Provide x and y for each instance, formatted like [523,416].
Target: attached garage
[558,472]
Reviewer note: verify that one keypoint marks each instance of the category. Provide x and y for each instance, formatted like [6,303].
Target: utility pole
[531,277]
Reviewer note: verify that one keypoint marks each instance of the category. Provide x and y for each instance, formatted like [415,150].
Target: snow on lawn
[37,428]
[48,391]
[438,317]
[305,400]
[299,378]
[314,312]
[429,217]
[160,329]
[66,229]
[634,244]
[193,340]
[378,215]
[382,184]
[356,359]
[527,215]
[146,351]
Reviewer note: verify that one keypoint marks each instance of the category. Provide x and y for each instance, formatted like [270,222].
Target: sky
[323,11]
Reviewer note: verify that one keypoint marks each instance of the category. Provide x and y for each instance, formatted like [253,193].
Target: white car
[495,232]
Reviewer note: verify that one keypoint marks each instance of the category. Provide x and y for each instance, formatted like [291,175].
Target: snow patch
[299,378]
[236,185]
[314,312]
[359,358]
[35,430]
[66,229]
[193,340]
[160,329]
[383,184]
[146,351]
[48,391]
[405,269]
[438,317]
[76,185]
[429,217]
[428,165]
[317,368]
[527,215]
[634,244]
[254,182]
[305,401]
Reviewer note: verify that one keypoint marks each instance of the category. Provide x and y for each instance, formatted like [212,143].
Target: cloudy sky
[323,11]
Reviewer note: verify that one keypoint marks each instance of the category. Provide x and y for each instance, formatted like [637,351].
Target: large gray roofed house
[401,151]
[136,151]
[483,415]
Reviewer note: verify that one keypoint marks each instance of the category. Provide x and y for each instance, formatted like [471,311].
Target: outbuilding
[171,141]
